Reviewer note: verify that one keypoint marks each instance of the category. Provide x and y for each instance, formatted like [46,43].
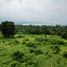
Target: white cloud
[36,11]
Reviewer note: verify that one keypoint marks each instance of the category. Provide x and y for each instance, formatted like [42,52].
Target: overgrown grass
[33,51]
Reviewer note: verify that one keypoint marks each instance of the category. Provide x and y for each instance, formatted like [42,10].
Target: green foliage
[24,42]
[47,30]
[40,39]
[18,56]
[31,44]
[55,49]
[64,35]
[17,42]
[36,51]
[20,36]
[30,59]
[33,51]
[8,29]
[65,55]
[15,64]
[27,39]
[56,41]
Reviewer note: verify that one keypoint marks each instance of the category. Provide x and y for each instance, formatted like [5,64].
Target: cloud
[20,1]
[34,11]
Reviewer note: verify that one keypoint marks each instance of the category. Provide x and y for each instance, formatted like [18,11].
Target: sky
[39,12]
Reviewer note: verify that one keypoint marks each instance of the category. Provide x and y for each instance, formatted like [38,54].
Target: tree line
[43,29]
[8,29]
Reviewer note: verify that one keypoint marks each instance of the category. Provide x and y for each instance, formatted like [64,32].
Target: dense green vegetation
[43,29]
[33,51]
[33,46]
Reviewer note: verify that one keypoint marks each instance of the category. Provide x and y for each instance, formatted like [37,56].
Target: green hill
[33,51]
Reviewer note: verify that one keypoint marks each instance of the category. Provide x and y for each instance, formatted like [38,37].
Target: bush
[61,42]
[3,41]
[65,55]
[64,35]
[50,40]
[24,42]
[30,59]
[36,51]
[20,36]
[27,39]
[17,42]
[14,64]
[46,53]
[56,41]
[18,56]
[40,39]
[14,42]
[31,44]
[55,49]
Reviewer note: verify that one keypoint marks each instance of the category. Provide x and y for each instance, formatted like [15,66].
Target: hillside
[33,51]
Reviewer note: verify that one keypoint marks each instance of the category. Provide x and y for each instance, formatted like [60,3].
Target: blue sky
[49,12]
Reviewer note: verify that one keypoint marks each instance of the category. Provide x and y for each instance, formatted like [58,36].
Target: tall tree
[8,29]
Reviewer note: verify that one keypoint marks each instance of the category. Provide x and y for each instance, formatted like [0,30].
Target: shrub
[17,42]
[24,42]
[30,59]
[65,55]
[27,39]
[18,56]
[64,35]
[31,50]
[49,55]
[3,41]
[20,36]
[14,64]
[31,44]
[46,53]
[56,49]
[40,39]
[56,41]
[36,51]
[61,42]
